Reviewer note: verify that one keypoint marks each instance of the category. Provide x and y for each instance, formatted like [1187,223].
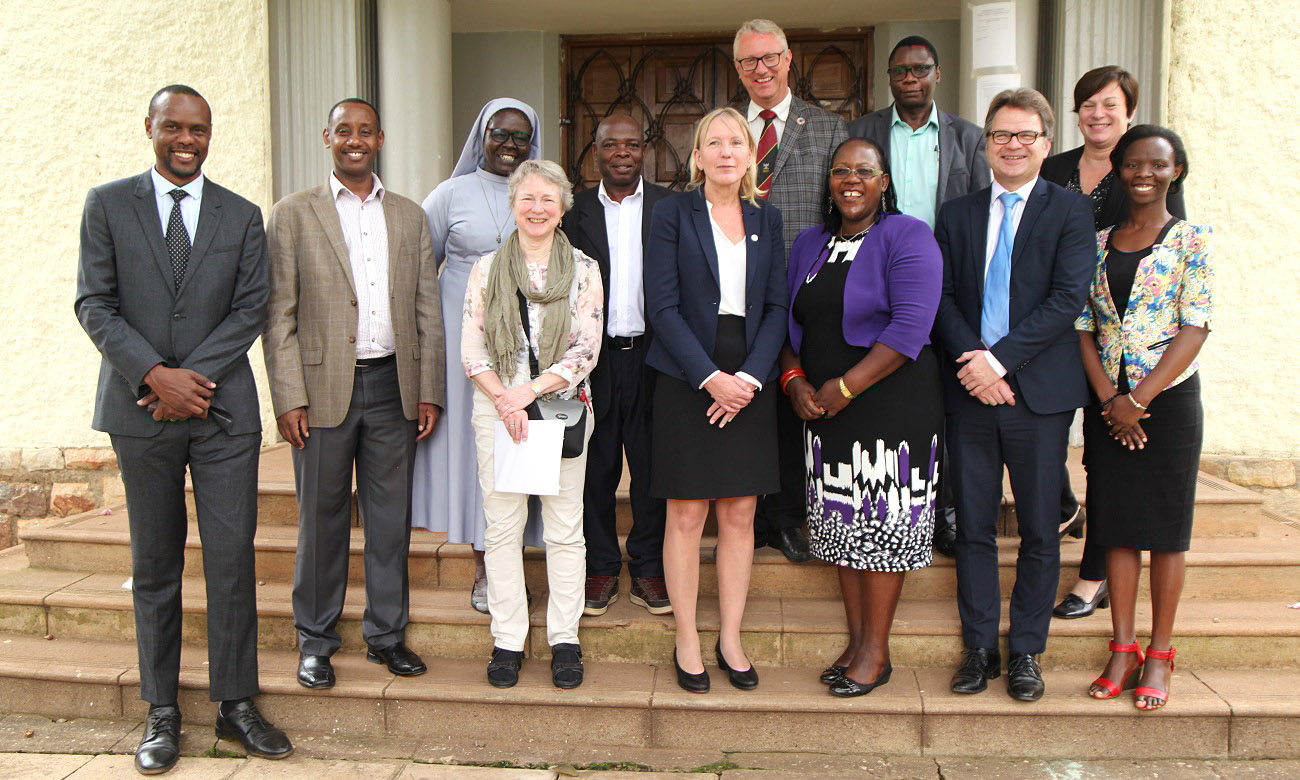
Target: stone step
[1223,567]
[1211,714]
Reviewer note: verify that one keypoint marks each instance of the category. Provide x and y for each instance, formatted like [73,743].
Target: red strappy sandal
[1156,693]
[1112,690]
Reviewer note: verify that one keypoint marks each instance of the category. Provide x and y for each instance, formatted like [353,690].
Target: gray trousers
[223,469]
[380,441]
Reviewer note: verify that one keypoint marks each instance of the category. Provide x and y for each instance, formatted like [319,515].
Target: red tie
[766,153]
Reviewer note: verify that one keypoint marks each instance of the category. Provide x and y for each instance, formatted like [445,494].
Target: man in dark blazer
[610,224]
[793,176]
[354,352]
[1017,260]
[172,288]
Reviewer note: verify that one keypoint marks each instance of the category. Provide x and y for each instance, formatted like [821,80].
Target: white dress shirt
[996,212]
[732,270]
[626,313]
[366,234]
[189,206]
[782,111]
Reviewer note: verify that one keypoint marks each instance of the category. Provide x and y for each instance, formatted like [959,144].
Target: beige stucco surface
[1232,96]
[80,75]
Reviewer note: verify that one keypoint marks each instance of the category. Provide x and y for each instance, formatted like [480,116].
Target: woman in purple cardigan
[858,368]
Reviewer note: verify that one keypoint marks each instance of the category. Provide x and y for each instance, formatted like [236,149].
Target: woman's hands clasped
[512,409]
[730,395]
[1124,418]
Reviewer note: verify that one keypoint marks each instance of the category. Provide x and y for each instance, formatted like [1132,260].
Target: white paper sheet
[987,88]
[532,466]
[993,35]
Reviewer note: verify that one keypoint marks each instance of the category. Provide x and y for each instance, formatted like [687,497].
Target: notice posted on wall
[987,87]
[993,36]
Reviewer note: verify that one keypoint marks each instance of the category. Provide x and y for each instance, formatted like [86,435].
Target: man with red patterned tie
[795,141]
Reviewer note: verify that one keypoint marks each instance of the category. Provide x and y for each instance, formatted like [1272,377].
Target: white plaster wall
[1232,88]
[80,75]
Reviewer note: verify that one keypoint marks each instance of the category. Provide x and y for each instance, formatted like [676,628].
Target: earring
[830,207]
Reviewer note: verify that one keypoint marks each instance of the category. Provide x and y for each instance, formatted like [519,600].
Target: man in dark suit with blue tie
[1017,260]
[172,289]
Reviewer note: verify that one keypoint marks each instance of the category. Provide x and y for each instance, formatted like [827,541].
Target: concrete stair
[67,650]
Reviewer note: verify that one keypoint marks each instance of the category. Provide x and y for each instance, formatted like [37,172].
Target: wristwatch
[536,387]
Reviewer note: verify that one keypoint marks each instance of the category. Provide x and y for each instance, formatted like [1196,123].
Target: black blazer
[1060,167]
[682,291]
[584,224]
[1051,265]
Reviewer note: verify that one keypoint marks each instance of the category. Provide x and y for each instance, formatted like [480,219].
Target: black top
[1110,209]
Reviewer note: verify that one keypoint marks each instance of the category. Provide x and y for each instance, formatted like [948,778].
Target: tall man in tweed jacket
[806,136]
[354,351]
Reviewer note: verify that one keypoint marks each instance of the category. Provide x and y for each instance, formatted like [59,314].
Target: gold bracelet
[844,390]
[1135,403]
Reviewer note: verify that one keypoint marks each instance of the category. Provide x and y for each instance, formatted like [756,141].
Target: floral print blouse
[1173,288]
[587,317]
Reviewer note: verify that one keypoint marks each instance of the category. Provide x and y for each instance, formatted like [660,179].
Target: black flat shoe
[398,658]
[691,683]
[746,680]
[1074,528]
[847,687]
[503,669]
[978,666]
[315,671]
[1073,606]
[945,540]
[1024,677]
[566,665]
[832,673]
[161,744]
[792,544]
[240,721]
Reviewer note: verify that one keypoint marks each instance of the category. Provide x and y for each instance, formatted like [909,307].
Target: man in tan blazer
[354,351]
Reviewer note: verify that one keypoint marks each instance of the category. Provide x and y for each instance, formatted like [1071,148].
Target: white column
[415,94]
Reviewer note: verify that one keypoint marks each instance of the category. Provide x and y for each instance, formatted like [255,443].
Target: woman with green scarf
[564,300]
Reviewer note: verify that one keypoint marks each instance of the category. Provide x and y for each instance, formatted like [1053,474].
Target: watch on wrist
[536,387]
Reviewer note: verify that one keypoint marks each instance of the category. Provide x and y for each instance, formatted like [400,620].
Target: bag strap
[528,338]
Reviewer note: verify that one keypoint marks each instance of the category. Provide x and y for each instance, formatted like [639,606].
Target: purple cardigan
[892,290]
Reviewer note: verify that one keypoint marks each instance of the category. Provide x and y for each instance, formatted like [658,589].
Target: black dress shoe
[566,665]
[746,680]
[1024,678]
[161,744]
[691,683]
[832,673]
[846,687]
[792,544]
[978,666]
[503,669]
[315,671]
[399,658]
[1073,605]
[945,540]
[240,721]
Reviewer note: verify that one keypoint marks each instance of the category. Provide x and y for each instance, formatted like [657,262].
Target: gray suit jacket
[311,329]
[128,304]
[803,161]
[963,168]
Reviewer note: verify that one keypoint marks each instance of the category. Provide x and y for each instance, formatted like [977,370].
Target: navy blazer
[1051,265]
[682,291]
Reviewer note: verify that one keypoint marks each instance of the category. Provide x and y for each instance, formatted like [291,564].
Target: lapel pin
[753,236]
[800,121]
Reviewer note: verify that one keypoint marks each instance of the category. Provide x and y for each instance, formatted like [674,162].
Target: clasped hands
[981,381]
[730,395]
[815,403]
[512,408]
[177,394]
[1125,421]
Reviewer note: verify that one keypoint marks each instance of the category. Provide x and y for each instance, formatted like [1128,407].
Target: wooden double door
[668,83]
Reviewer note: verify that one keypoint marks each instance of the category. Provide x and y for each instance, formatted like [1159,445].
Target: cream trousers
[566,550]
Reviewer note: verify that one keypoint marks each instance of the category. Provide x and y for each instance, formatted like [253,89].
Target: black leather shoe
[161,744]
[691,683]
[240,721]
[978,666]
[566,665]
[399,658]
[945,540]
[1024,678]
[792,544]
[746,680]
[1073,525]
[1073,605]
[315,671]
[832,673]
[846,687]
[503,669]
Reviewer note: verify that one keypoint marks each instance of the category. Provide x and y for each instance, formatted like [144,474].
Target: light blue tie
[997,283]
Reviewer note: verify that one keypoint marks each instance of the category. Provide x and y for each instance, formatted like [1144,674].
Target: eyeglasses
[770,60]
[1026,137]
[900,73]
[862,173]
[501,136]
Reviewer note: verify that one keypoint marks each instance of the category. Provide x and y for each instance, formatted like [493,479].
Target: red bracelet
[789,376]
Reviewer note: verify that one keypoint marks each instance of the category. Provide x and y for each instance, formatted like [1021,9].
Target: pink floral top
[587,318]
[1172,288]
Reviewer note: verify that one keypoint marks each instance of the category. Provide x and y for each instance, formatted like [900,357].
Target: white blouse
[731,269]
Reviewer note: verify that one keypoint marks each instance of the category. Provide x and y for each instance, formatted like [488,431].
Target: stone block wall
[1274,478]
[37,483]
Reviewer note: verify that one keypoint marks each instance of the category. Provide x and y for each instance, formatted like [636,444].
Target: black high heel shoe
[1074,528]
[846,687]
[1073,606]
[691,683]
[746,680]
[832,673]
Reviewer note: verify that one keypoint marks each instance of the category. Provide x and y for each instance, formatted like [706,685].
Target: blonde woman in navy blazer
[715,296]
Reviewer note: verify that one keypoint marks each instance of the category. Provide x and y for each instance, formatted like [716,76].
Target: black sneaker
[651,593]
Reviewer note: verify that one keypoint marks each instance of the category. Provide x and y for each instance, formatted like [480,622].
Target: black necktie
[178,241]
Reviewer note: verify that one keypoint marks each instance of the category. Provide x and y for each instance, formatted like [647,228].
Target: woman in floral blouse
[1147,315]
[564,300]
